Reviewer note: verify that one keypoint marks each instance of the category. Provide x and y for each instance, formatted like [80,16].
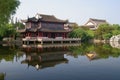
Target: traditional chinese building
[93,24]
[45,26]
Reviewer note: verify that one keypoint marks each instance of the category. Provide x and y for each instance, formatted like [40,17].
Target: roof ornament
[38,16]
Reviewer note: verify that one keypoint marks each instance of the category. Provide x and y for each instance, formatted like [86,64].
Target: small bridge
[115,41]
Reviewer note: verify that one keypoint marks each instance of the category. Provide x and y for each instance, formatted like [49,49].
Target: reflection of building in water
[50,46]
[45,59]
[42,56]
[2,76]
[47,47]
[115,41]
[92,56]
[115,44]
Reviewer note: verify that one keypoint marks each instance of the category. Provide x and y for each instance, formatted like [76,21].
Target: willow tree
[7,9]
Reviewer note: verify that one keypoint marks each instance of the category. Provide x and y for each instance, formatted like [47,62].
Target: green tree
[7,9]
[116,30]
[79,33]
[116,26]
[19,25]
[104,31]
[107,36]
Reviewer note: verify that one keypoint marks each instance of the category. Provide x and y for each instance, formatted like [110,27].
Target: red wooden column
[42,34]
[24,35]
[66,35]
[49,35]
[63,35]
[28,34]
[39,34]
[55,35]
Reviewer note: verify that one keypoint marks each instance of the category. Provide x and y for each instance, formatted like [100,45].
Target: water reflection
[95,51]
[42,56]
[44,60]
[33,53]
[115,44]
[2,76]
[15,60]
[92,55]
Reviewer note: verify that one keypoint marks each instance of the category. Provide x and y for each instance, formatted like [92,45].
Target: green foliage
[7,30]
[107,36]
[19,25]
[90,33]
[84,27]
[84,33]
[116,30]
[8,53]
[78,33]
[104,31]
[2,76]
[3,31]
[116,26]
[7,8]
[102,50]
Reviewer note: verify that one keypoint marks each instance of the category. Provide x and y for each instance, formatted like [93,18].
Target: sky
[78,11]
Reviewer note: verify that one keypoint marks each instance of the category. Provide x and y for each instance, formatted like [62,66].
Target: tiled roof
[50,18]
[98,21]
[45,18]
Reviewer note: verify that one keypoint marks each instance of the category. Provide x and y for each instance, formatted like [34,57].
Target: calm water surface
[84,62]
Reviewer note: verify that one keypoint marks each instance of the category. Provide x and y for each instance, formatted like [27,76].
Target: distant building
[93,24]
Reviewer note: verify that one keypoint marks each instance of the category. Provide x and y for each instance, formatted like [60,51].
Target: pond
[81,62]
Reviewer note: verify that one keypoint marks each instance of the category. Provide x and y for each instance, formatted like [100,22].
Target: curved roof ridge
[100,20]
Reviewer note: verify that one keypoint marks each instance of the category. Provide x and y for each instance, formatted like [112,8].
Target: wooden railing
[49,39]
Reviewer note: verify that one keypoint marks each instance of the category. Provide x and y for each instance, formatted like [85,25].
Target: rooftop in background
[97,21]
[94,23]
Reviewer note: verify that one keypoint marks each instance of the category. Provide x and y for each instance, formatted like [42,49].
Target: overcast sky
[78,11]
